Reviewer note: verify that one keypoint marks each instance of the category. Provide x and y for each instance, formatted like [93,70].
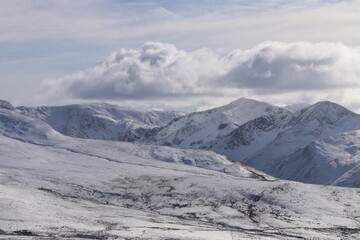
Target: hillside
[101,121]
[196,130]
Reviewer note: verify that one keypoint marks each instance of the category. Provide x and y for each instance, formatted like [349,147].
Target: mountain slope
[268,138]
[266,141]
[334,160]
[15,125]
[53,186]
[197,129]
[321,120]
[263,136]
[101,121]
[18,126]
[6,105]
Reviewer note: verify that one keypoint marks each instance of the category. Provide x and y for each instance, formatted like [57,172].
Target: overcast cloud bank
[277,72]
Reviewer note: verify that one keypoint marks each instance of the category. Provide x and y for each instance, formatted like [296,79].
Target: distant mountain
[25,128]
[15,125]
[278,141]
[321,120]
[261,135]
[101,121]
[297,106]
[266,141]
[333,160]
[197,129]
[6,105]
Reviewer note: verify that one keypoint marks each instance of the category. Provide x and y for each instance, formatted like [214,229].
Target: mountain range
[299,145]
[101,121]
[55,186]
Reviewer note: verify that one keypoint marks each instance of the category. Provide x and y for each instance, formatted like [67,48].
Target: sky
[183,55]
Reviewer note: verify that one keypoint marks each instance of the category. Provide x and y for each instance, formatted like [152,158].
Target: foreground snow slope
[59,187]
[101,121]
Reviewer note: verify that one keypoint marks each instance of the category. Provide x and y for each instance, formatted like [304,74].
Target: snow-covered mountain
[334,160]
[197,129]
[15,125]
[31,130]
[58,187]
[261,135]
[269,138]
[6,105]
[101,121]
[265,142]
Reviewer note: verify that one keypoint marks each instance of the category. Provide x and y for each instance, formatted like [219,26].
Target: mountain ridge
[256,133]
[6,105]
[264,141]
[192,130]
[101,120]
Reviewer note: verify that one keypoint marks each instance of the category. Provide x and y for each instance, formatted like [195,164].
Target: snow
[269,138]
[272,139]
[6,105]
[52,190]
[101,120]
[334,160]
[299,130]
[197,129]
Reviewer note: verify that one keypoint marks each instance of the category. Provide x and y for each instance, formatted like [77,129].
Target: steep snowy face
[6,105]
[333,161]
[322,113]
[266,141]
[250,137]
[351,178]
[14,124]
[101,121]
[197,130]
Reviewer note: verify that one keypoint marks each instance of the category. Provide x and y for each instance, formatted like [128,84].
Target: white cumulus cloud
[277,72]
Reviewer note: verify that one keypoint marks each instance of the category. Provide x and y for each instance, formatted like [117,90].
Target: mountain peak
[253,107]
[6,105]
[243,100]
[297,106]
[246,103]
[325,112]
[327,107]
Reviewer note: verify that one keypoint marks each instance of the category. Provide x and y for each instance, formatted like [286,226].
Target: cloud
[295,66]
[62,36]
[273,71]
[232,22]
[157,70]
[163,12]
